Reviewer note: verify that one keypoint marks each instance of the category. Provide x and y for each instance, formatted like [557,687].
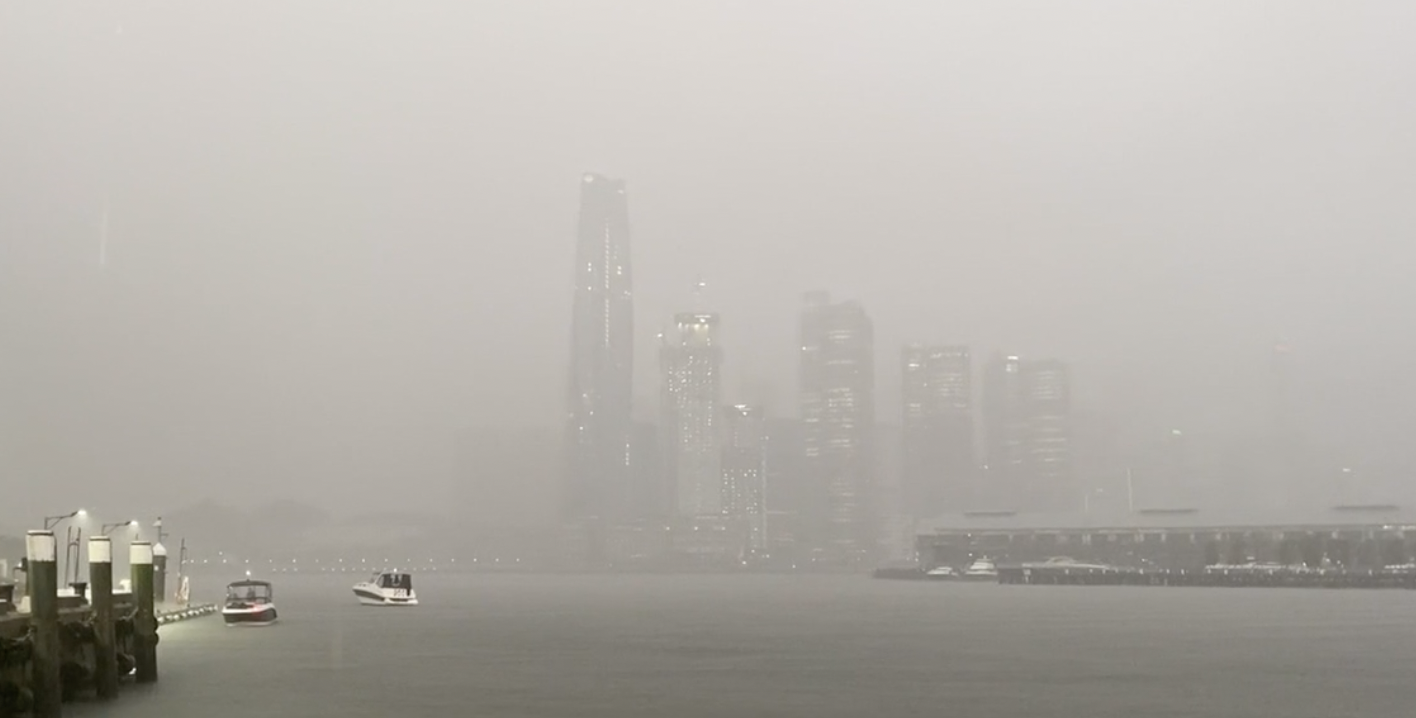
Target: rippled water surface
[791,646]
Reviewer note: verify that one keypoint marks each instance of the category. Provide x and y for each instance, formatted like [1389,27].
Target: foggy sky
[341,233]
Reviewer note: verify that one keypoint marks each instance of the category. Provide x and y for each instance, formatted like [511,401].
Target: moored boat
[942,573]
[982,569]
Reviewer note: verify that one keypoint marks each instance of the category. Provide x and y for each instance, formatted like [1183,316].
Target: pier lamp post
[51,521]
[108,529]
[71,542]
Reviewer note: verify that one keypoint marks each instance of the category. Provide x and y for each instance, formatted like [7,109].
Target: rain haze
[736,358]
[321,251]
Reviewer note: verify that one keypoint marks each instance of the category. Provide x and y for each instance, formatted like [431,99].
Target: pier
[56,647]
[1359,546]
[1214,577]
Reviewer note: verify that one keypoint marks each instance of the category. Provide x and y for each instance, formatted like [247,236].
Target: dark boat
[249,603]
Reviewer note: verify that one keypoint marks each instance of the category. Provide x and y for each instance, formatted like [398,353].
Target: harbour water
[758,645]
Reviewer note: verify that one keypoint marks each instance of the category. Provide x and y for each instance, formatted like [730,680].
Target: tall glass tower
[599,422]
[837,394]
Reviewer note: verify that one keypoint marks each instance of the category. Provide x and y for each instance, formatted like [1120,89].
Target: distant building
[708,540]
[599,423]
[938,428]
[651,494]
[744,466]
[690,359]
[1353,537]
[638,543]
[895,512]
[787,488]
[1028,445]
[784,537]
[837,383]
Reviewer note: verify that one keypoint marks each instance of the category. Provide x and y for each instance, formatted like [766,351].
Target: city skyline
[302,289]
[1017,457]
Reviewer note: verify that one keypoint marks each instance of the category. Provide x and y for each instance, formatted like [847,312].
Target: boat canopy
[249,590]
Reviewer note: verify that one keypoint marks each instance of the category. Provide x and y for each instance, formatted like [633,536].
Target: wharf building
[1347,536]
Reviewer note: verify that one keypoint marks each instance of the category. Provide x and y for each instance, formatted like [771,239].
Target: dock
[55,647]
[1213,577]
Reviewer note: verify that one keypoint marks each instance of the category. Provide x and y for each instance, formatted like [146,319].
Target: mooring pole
[159,572]
[145,620]
[42,552]
[105,646]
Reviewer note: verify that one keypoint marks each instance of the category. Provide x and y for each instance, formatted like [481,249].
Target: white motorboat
[249,603]
[389,588]
[1068,562]
[942,573]
[982,569]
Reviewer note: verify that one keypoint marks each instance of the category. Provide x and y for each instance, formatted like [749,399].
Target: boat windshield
[248,592]
[394,580]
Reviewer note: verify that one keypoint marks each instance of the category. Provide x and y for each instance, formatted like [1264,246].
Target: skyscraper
[938,428]
[837,383]
[689,359]
[1027,428]
[599,423]
[651,496]
[745,470]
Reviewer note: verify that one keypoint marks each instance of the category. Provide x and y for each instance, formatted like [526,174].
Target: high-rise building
[938,428]
[745,470]
[837,383]
[1027,429]
[650,493]
[690,359]
[599,422]
[894,512]
[787,489]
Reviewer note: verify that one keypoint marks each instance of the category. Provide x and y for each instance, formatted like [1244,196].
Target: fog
[320,250]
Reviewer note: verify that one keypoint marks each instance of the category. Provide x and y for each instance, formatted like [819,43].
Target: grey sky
[341,233]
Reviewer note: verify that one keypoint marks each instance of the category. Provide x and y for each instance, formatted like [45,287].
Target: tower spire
[699,287]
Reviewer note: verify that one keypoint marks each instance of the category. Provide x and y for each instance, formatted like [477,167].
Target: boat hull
[375,597]
[249,617]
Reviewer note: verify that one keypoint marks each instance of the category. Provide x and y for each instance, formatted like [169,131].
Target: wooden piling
[47,653]
[105,648]
[145,619]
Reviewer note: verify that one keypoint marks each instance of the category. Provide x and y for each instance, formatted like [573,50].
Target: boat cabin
[394,581]
[248,593]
